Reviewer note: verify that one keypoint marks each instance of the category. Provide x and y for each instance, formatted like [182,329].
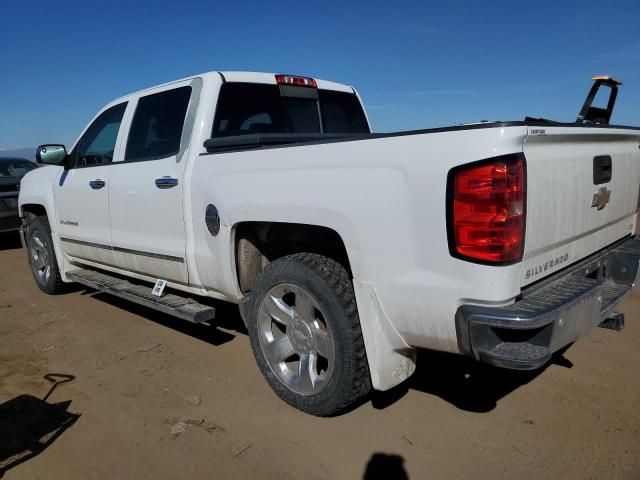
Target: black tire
[39,230]
[329,283]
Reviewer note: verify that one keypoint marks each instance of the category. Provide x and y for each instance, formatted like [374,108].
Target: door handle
[166,182]
[97,184]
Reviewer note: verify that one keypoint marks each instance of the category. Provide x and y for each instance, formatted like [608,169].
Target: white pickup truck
[346,250]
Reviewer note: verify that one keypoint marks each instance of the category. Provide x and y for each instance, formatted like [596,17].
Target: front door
[82,191]
[146,189]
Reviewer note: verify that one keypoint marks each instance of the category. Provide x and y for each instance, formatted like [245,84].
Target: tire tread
[348,393]
[56,283]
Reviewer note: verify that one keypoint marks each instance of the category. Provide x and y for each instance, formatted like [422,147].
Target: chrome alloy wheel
[39,256]
[296,339]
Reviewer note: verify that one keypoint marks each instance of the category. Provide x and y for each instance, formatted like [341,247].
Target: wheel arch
[257,243]
[33,209]
[391,360]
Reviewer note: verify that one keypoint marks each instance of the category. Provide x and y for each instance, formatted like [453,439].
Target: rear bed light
[486,204]
[296,81]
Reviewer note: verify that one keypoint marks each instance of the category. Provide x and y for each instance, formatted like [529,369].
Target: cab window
[249,108]
[97,145]
[157,125]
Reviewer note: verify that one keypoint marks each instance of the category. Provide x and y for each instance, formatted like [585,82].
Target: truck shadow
[29,425]
[10,241]
[218,333]
[466,383]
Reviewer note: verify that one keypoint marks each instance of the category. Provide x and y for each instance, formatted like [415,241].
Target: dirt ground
[137,394]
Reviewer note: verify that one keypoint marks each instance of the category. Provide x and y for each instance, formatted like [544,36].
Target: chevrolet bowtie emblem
[601,198]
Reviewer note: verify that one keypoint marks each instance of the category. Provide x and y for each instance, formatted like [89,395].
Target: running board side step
[171,304]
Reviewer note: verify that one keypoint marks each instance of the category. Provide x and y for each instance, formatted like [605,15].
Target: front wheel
[305,334]
[42,257]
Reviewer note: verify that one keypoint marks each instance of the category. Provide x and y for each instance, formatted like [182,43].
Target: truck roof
[244,77]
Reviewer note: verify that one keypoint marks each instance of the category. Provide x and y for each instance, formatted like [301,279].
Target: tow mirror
[51,154]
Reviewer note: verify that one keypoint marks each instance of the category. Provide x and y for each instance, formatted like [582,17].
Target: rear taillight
[296,80]
[486,210]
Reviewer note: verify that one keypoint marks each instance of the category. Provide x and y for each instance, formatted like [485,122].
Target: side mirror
[51,154]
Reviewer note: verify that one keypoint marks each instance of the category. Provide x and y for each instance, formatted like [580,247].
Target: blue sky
[416,64]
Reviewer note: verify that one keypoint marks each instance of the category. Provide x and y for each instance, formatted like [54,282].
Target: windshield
[250,108]
[15,168]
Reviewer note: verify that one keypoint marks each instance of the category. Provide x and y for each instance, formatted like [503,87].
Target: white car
[346,250]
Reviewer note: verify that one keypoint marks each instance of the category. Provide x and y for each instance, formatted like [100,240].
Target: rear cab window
[251,108]
[342,112]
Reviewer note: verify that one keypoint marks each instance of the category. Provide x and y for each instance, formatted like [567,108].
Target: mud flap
[391,359]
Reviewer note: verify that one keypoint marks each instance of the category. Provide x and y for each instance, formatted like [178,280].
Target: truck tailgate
[573,208]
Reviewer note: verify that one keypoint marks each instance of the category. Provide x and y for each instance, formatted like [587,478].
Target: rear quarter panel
[386,199]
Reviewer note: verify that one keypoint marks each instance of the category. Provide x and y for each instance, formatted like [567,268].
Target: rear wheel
[42,257]
[305,334]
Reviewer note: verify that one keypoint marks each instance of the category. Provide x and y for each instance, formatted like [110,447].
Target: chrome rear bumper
[553,313]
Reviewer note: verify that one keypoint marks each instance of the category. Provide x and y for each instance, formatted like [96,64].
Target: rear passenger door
[147,191]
